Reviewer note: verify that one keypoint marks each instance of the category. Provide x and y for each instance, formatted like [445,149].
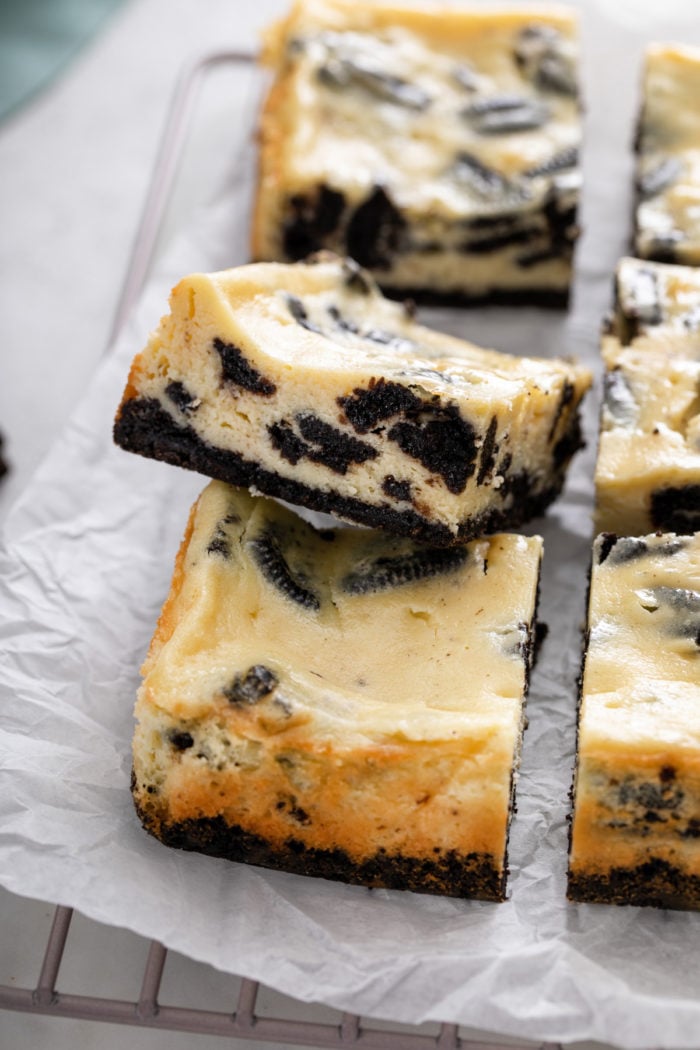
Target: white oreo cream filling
[439,149]
[346,690]
[303,381]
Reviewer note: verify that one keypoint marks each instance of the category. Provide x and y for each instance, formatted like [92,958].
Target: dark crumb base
[676,509]
[549,298]
[449,874]
[655,884]
[144,427]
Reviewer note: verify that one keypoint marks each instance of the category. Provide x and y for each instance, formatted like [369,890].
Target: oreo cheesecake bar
[667,213]
[648,466]
[303,381]
[635,836]
[338,703]
[437,147]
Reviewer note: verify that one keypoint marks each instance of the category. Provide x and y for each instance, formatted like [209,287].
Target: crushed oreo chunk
[662,246]
[539,54]
[396,489]
[622,549]
[421,564]
[658,178]
[257,683]
[381,400]
[676,508]
[485,182]
[489,450]
[440,439]
[342,323]
[618,400]
[180,396]
[343,72]
[236,369]
[374,231]
[638,300]
[320,442]
[356,279]
[180,739]
[465,75]
[269,557]
[564,160]
[334,448]
[312,222]
[298,312]
[503,114]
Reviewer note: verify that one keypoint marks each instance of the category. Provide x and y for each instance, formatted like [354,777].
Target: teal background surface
[38,38]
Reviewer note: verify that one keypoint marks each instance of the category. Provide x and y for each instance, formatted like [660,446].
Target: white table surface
[74,168]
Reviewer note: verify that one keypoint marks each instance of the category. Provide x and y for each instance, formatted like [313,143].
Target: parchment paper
[88,555]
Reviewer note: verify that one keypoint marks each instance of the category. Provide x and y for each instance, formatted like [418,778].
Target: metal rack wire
[243,1022]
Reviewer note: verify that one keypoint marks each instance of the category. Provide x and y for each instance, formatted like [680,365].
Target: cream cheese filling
[441,658]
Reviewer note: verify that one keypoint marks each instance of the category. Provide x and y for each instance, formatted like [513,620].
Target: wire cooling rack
[244,1021]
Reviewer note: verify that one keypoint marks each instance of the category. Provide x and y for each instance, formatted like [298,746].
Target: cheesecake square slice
[304,381]
[648,467]
[667,212]
[339,703]
[438,147]
[635,836]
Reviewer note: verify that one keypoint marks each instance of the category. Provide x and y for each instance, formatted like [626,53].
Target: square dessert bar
[648,467]
[304,381]
[667,213]
[438,147]
[339,703]
[636,800]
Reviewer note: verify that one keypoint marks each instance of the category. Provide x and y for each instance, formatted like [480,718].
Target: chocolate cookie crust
[144,427]
[450,874]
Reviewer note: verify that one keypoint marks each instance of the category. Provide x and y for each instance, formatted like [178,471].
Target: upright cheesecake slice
[438,147]
[667,215]
[636,817]
[648,467]
[337,703]
[303,381]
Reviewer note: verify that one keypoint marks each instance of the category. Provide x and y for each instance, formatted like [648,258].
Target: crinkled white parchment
[87,561]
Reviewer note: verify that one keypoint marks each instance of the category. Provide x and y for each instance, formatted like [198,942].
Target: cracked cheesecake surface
[337,702]
[304,381]
[636,801]
[438,147]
